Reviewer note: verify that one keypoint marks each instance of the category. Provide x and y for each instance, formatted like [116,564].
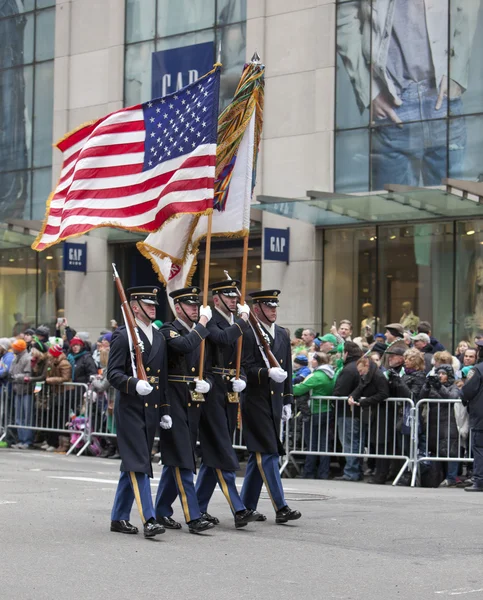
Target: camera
[392,374]
[433,380]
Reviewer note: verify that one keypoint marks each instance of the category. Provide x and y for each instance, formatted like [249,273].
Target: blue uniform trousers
[262,469]
[177,482]
[132,486]
[206,482]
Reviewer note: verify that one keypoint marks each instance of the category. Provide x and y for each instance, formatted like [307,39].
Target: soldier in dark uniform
[219,412]
[268,399]
[138,408]
[183,338]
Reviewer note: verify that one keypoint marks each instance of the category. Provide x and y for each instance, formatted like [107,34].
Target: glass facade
[27,31]
[154,25]
[33,283]
[435,267]
[409,93]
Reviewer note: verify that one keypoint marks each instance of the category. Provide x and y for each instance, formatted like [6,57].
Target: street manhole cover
[299,497]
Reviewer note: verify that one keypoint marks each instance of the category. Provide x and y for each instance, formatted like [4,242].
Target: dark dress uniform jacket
[178,444]
[218,416]
[137,417]
[263,400]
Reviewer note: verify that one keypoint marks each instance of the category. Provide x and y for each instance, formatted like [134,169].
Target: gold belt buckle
[197,396]
[233,397]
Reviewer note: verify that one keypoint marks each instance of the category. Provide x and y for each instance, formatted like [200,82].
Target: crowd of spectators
[35,367]
[365,372]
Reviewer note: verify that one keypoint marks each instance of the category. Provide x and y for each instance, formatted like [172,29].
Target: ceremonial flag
[138,167]
[173,249]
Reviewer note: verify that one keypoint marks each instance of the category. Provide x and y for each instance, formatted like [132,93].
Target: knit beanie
[5,343]
[56,350]
[19,345]
[76,340]
[107,337]
[301,359]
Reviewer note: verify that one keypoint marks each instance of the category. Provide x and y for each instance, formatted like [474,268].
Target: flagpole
[242,301]
[206,282]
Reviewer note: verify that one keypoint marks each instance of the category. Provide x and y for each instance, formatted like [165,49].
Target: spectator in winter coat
[20,374]
[372,390]
[82,361]
[319,383]
[6,359]
[425,327]
[472,398]
[59,371]
[300,368]
[438,420]
[348,430]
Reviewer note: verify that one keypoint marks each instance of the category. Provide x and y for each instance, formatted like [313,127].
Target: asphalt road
[354,542]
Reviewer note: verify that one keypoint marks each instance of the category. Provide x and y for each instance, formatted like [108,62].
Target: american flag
[137,167]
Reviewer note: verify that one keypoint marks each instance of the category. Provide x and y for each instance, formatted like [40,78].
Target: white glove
[166,422]
[202,386]
[277,374]
[238,384]
[205,311]
[243,309]
[286,412]
[143,388]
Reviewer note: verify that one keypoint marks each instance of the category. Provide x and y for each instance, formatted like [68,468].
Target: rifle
[132,330]
[261,336]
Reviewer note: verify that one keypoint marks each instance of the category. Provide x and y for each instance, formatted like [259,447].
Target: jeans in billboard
[320,427]
[23,416]
[416,152]
[350,432]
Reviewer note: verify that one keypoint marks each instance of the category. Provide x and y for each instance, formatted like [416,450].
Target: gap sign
[277,244]
[173,69]
[75,257]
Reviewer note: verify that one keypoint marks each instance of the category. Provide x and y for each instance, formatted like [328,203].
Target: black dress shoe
[377,480]
[123,527]
[168,522]
[474,488]
[209,518]
[199,525]
[152,528]
[246,516]
[287,514]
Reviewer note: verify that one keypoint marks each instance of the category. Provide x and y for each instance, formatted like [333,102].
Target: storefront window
[394,79]
[469,280]
[350,267]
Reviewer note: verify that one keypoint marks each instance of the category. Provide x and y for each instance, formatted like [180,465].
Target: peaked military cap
[227,287]
[144,293]
[188,295]
[268,297]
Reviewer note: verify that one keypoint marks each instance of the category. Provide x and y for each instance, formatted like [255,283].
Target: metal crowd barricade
[378,433]
[100,422]
[435,440]
[50,409]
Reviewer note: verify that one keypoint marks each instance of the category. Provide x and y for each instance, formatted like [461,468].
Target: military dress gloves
[202,386]
[143,388]
[243,309]
[205,311]
[277,374]
[286,412]
[238,385]
[166,422]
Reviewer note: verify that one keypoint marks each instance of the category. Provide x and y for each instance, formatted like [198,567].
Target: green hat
[329,337]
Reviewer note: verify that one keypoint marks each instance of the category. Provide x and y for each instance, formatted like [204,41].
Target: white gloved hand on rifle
[243,310]
[202,386]
[277,374]
[238,385]
[166,422]
[143,388]
[286,412]
[205,311]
